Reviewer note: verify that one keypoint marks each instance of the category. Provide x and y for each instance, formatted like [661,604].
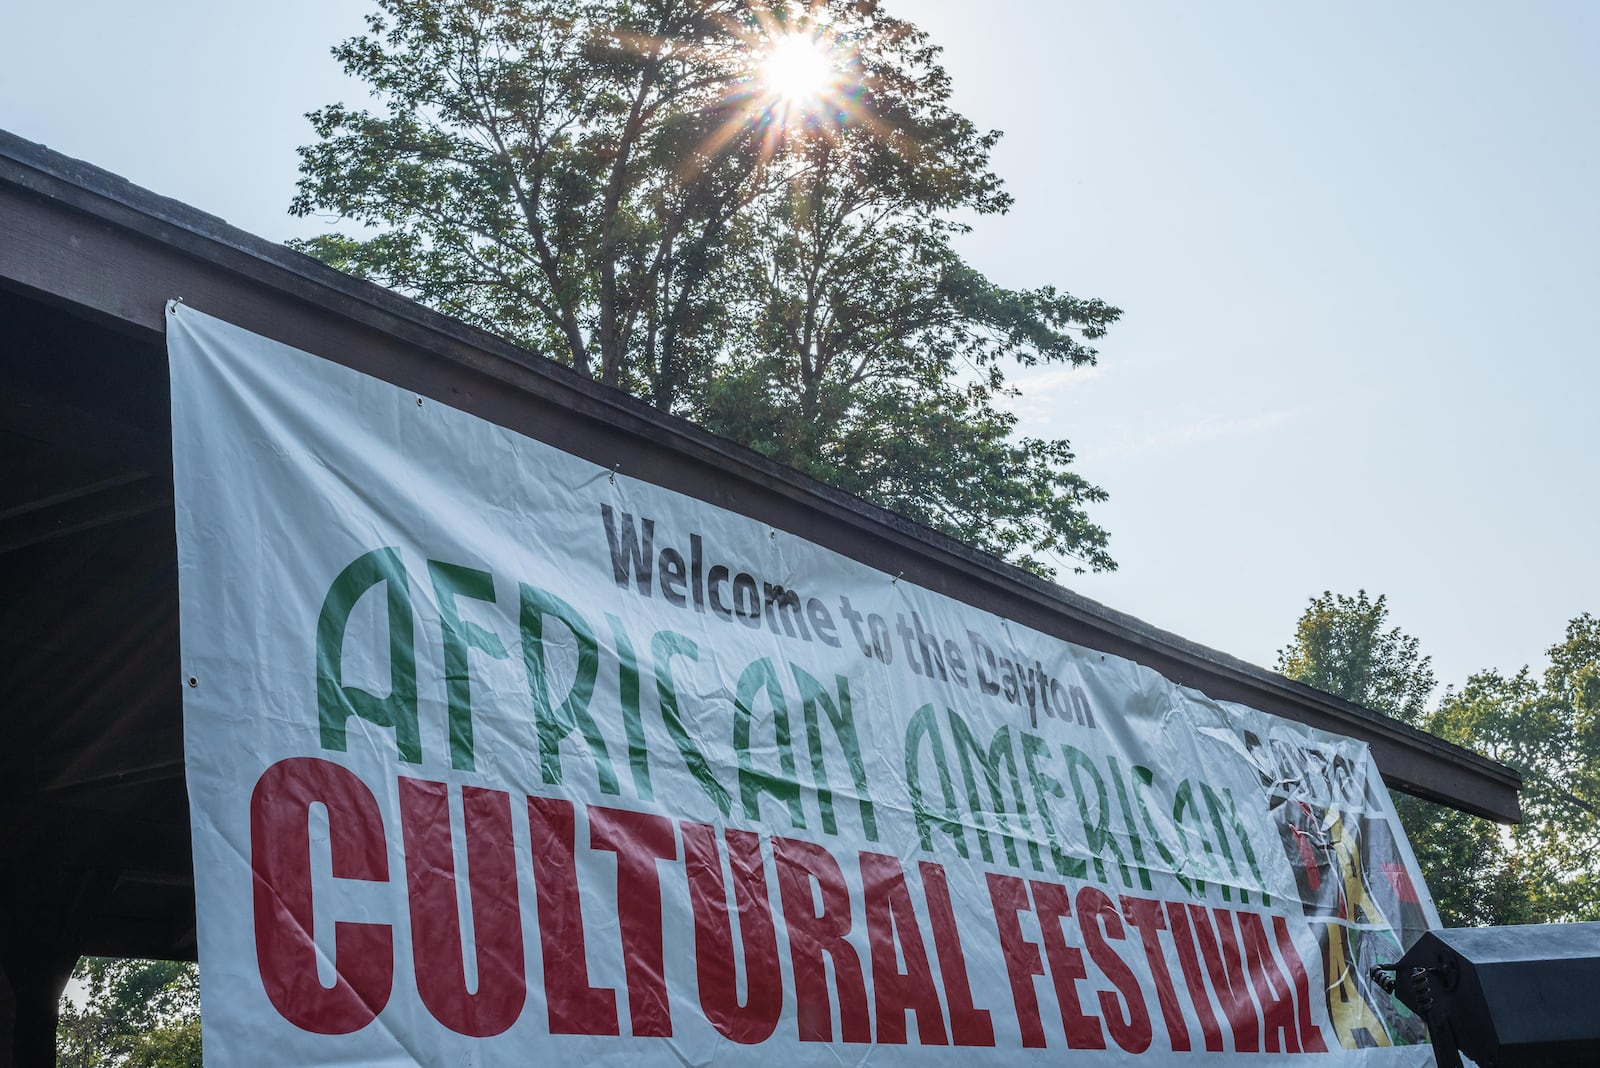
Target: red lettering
[1098,919]
[812,934]
[755,1020]
[280,858]
[1310,1034]
[1272,990]
[969,1026]
[1183,939]
[891,918]
[575,1007]
[1145,916]
[639,839]
[1066,967]
[1220,950]
[1009,896]
[436,947]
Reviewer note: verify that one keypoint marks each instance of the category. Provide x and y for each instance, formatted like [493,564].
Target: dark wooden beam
[81,508]
[77,430]
[161,771]
[62,494]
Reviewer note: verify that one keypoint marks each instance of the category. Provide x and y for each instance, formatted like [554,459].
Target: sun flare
[797,70]
[792,86]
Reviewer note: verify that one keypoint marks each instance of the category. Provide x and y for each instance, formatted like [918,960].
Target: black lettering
[673,574]
[696,570]
[852,617]
[628,554]
[908,637]
[932,659]
[881,645]
[1044,689]
[1008,679]
[718,576]
[982,655]
[784,604]
[822,622]
[958,666]
[1081,707]
[746,600]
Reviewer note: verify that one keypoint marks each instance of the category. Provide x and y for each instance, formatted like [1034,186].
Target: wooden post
[35,964]
[8,1015]
[36,999]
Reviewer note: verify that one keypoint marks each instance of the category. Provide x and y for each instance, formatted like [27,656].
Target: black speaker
[1508,997]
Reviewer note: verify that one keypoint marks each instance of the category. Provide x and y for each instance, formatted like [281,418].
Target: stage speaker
[1508,997]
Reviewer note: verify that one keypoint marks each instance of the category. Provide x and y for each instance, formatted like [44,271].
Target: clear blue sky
[1358,248]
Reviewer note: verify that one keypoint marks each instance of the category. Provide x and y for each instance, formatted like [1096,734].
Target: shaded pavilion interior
[94,844]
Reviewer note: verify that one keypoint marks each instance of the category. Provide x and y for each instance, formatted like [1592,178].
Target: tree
[1548,728]
[1342,646]
[622,186]
[136,1014]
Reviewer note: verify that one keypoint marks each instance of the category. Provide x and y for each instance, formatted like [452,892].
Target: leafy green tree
[1548,728]
[1344,646]
[136,1014]
[1340,646]
[622,185]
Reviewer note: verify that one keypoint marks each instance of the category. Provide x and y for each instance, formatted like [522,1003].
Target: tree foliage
[612,183]
[1547,726]
[136,1014]
[1340,646]
[1344,646]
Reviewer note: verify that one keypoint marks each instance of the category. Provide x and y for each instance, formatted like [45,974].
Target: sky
[1355,246]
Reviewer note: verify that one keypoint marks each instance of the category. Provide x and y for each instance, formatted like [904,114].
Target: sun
[797,71]
[792,84]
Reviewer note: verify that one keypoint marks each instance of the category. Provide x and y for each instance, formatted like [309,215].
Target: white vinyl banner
[497,757]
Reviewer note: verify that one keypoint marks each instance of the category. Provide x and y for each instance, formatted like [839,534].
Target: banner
[497,757]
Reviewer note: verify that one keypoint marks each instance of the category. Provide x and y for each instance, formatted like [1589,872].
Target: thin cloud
[1216,428]
[1054,379]
[1044,388]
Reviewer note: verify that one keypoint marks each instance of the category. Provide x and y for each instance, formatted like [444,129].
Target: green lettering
[336,702]
[449,582]
[1146,778]
[663,647]
[924,726]
[967,749]
[632,723]
[812,697]
[1034,751]
[555,722]
[1224,806]
[1096,832]
[1127,821]
[1186,817]
[754,781]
